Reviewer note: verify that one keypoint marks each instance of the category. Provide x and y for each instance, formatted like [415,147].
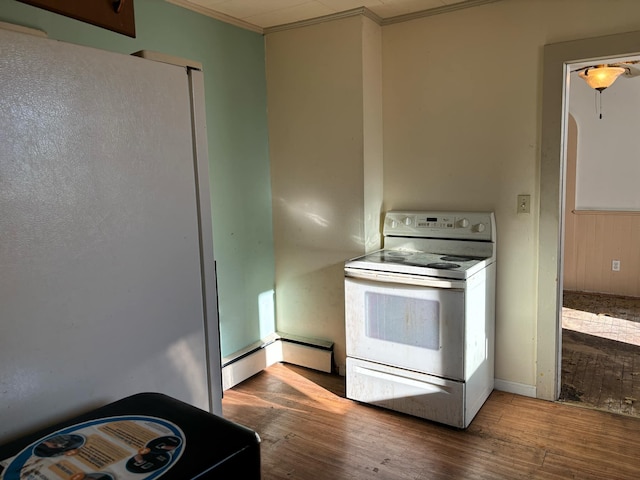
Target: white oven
[420,316]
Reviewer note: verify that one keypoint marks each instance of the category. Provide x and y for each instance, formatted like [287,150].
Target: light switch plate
[524,203]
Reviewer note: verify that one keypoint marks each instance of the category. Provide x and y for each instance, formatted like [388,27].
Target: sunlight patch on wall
[266,313]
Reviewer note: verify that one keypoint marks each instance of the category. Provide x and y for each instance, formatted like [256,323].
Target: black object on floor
[144,436]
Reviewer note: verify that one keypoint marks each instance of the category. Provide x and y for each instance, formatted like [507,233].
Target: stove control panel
[435,222]
[455,225]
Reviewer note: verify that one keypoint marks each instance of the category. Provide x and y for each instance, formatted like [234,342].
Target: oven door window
[405,320]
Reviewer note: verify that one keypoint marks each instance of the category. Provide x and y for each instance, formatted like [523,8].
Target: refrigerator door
[104,290]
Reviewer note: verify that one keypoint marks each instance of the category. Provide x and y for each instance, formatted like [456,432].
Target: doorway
[557,57]
[601,301]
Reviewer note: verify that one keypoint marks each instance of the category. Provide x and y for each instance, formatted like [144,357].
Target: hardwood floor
[310,431]
[601,352]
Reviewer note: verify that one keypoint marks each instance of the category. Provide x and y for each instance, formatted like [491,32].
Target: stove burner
[443,266]
[395,257]
[455,258]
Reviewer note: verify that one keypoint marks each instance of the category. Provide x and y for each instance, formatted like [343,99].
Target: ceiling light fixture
[601,77]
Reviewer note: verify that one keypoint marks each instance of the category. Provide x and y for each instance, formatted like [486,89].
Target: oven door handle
[405,279]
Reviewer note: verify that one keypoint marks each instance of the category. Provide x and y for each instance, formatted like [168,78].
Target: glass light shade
[600,78]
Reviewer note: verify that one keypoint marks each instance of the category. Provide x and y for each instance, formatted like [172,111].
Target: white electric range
[420,316]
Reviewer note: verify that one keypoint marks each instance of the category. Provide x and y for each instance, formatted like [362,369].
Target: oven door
[416,327]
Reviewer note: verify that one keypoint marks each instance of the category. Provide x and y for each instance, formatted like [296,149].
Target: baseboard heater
[277,347]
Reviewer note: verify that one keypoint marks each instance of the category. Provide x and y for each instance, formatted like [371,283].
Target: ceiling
[264,15]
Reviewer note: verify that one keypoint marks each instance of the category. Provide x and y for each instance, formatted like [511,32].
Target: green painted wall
[235,91]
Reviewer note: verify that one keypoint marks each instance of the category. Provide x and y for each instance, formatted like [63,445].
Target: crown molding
[435,11]
[364,11]
[217,15]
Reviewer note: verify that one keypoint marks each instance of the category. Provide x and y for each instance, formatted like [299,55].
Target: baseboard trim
[514,387]
[278,347]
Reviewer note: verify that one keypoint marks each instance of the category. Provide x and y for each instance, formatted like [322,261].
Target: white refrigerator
[107,273]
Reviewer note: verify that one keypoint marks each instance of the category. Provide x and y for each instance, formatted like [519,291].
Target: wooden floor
[601,352]
[310,431]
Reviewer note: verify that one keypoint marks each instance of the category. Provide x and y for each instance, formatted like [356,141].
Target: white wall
[372,132]
[608,150]
[460,123]
[316,99]
[462,109]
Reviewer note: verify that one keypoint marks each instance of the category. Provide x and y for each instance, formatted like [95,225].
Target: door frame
[555,89]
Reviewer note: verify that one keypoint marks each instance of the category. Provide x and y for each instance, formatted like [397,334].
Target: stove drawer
[413,393]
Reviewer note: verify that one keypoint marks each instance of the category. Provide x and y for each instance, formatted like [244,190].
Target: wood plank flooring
[601,352]
[600,373]
[310,431]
